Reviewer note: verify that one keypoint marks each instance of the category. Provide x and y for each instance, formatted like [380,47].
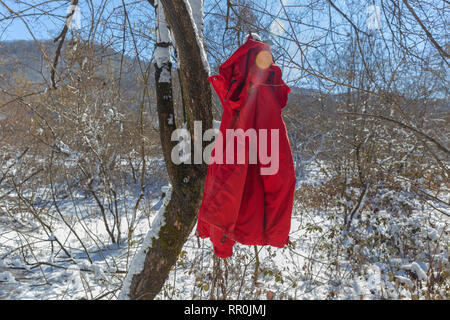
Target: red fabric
[239,204]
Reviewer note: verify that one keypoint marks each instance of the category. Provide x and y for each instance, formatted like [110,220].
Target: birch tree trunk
[176,219]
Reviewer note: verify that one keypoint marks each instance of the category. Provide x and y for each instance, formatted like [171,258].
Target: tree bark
[187,179]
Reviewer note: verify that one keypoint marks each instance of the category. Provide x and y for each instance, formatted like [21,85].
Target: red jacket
[239,203]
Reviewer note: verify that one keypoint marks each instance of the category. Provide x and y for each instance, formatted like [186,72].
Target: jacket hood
[226,69]
[251,64]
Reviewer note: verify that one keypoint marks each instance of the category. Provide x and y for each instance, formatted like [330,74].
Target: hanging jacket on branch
[249,201]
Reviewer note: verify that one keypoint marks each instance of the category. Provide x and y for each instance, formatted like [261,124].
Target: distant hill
[27,57]
[24,56]
[33,61]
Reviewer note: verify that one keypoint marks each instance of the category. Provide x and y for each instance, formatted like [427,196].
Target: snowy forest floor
[383,255]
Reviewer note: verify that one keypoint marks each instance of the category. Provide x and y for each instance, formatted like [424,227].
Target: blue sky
[42,27]
[45,26]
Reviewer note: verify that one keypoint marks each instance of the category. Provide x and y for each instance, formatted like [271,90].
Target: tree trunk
[159,252]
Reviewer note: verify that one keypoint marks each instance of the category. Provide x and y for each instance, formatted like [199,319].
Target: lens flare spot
[264,59]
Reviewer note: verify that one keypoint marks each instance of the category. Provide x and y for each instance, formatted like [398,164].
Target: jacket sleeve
[235,95]
[229,85]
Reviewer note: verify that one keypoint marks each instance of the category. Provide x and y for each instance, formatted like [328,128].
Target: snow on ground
[378,258]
